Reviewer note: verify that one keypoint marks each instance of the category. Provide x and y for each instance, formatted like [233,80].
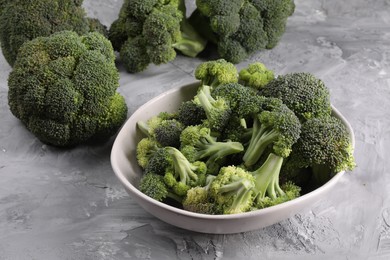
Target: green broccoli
[216,72]
[256,75]
[217,109]
[153,185]
[241,27]
[198,144]
[302,92]
[151,31]
[145,149]
[278,127]
[198,200]
[324,146]
[24,20]
[63,88]
[190,113]
[233,190]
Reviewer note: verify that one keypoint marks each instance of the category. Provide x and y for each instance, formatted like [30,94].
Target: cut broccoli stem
[242,189]
[267,177]
[216,150]
[143,127]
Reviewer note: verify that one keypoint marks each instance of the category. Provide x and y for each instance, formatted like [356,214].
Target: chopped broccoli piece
[198,144]
[232,190]
[256,75]
[217,109]
[198,200]
[146,147]
[191,113]
[324,146]
[278,127]
[216,72]
[302,92]
[153,185]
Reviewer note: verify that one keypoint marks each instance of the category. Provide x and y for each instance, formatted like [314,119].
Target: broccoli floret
[153,185]
[198,200]
[23,20]
[217,109]
[63,88]
[267,188]
[198,144]
[243,101]
[189,173]
[158,161]
[216,72]
[278,128]
[232,190]
[239,27]
[256,75]
[151,31]
[302,92]
[190,113]
[146,147]
[324,146]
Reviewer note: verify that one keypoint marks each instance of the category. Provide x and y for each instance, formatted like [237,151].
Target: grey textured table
[67,204]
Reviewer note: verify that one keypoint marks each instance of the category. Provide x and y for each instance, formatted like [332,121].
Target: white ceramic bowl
[124,164]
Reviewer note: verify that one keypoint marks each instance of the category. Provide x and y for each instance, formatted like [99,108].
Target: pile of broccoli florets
[245,141]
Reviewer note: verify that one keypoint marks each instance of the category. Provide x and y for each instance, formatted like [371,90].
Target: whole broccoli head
[241,27]
[63,88]
[24,20]
[151,31]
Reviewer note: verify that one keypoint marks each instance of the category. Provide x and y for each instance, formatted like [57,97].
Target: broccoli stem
[143,127]
[267,177]
[261,138]
[191,43]
[206,99]
[182,166]
[174,197]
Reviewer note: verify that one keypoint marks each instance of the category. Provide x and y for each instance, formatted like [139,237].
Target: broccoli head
[190,113]
[151,31]
[241,27]
[24,20]
[302,92]
[63,88]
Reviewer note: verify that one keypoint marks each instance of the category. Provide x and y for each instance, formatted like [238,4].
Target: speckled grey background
[67,204]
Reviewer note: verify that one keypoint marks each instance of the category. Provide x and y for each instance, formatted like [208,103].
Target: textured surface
[67,204]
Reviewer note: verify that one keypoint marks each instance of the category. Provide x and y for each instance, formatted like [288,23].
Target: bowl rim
[134,190]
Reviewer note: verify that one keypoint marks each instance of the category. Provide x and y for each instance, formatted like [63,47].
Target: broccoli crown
[241,27]
[63,88]
[325,146]
[216,72]
[190,113]
[168,133]
[24,20]
[198,144]
[217,109]
[256,75]
[146,147]
[302,92]
[151,31]
[279,128]
[232,190]
[158,161]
